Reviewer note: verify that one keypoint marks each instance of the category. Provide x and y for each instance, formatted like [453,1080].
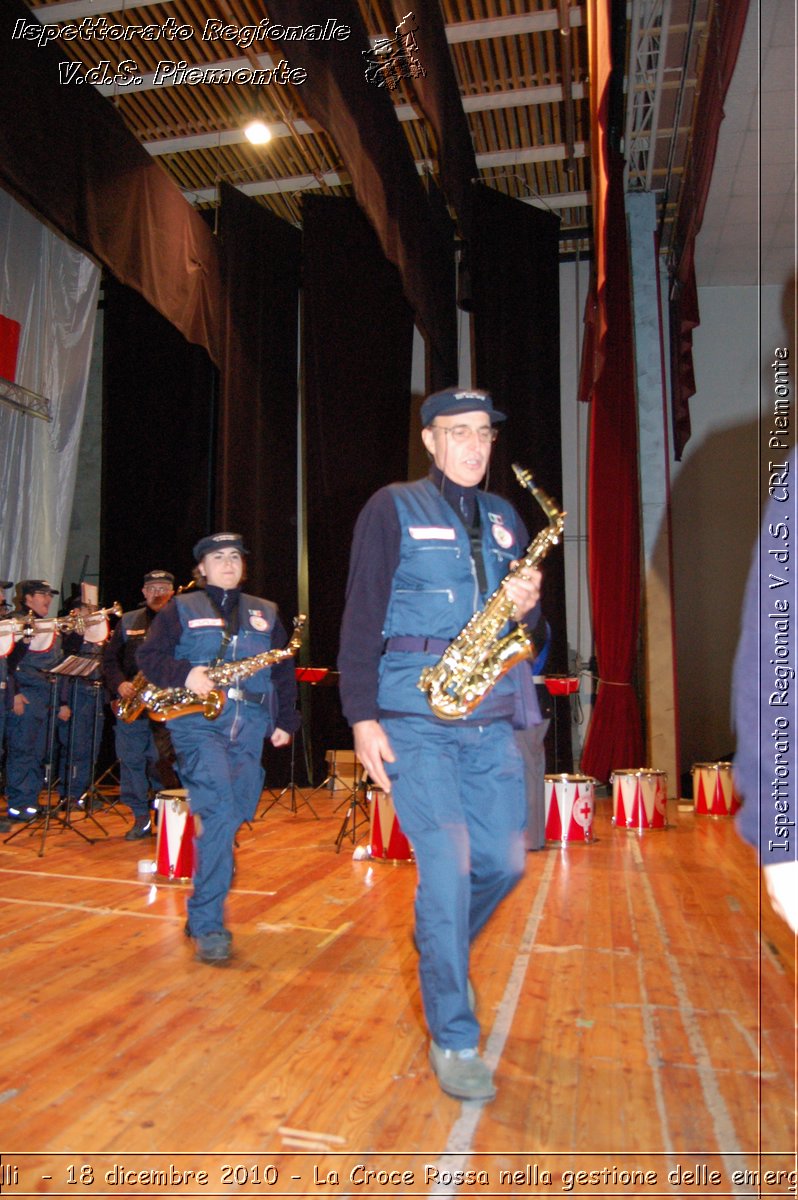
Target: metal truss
[647,50]
[15,396]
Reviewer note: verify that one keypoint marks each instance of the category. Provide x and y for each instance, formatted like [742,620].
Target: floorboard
[637,998]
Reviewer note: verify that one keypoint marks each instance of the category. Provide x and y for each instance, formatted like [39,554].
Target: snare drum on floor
[570,806]
[387,843]
[714,792]
[640,799]
[174,848]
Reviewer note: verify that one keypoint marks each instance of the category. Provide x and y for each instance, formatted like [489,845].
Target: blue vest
[202,629]
[434,591]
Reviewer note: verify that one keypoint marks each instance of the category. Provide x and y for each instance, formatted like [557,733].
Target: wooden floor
[639,1010]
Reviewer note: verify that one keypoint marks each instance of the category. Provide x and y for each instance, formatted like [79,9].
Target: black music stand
[291,788]
[314,677]
[356,811]
[91,798]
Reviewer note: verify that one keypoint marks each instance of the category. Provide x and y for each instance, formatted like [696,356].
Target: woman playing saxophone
[220,760]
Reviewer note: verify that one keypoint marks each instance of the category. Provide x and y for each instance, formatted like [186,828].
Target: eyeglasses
[463,433]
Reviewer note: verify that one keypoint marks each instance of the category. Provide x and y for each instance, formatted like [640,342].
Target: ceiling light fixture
[258,133]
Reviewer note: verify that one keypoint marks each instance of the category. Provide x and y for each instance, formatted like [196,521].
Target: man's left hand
[524,590]
[280,738]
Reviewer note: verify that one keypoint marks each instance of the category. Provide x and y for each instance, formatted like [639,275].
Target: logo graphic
[392,59]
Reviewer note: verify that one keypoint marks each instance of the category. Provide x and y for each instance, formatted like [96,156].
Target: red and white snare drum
[639,799]
[174,848]
[570,806]
[713,789]
[387,843]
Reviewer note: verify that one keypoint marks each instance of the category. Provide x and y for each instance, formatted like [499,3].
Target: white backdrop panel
[51,289]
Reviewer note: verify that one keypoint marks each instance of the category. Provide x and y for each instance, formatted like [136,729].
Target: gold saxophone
[478,657]
[165,704]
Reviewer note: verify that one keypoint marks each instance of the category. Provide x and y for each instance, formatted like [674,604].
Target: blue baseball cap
[218,541]
[455,400]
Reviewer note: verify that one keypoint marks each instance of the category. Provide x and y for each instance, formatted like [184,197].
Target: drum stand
[357,810]
[290,788]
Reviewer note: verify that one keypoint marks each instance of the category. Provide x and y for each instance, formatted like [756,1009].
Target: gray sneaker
[213,947]
[462,1073]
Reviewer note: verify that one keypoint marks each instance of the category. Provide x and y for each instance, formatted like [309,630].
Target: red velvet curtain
[614,739]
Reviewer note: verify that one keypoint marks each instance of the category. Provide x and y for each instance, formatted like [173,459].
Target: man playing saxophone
[425,558]
[220,759]
[143,760]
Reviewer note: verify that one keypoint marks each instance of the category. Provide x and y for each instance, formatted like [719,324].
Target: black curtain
[357,354]
[516,306]
[158,422]
[257,449]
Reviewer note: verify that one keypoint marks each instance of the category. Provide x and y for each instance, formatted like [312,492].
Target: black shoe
[218,933]
[19,816]
[141,829]
[214,947]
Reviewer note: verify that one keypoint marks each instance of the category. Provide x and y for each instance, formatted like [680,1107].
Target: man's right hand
[197,681]
[373,749]
[125,689]
[19,704]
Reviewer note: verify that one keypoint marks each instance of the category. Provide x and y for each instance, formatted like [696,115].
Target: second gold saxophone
[164,704]
[478,657]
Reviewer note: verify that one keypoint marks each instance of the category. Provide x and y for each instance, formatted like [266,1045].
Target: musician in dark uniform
[6,646]
[29,694]
[425,557]
[220,760]
[83,732]
[135,742]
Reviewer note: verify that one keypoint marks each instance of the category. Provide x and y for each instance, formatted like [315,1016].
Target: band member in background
[29,699]
[136,748]
[83,732]
[425,557]
[5,650]
[532,742]
[220,760]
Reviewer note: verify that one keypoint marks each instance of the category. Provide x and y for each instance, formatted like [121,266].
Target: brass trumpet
[28,626]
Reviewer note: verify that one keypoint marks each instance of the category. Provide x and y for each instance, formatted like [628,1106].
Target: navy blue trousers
[458,790]
[220,765]
[27,750]
[77,734]
[135,749]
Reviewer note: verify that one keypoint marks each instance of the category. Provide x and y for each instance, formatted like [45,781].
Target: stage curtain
[515,300]
[438,95]
[357,355]
[614,738]
[67,154]
[359,116]
[726,29]
[158,437]
[256,459]
[595,318]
